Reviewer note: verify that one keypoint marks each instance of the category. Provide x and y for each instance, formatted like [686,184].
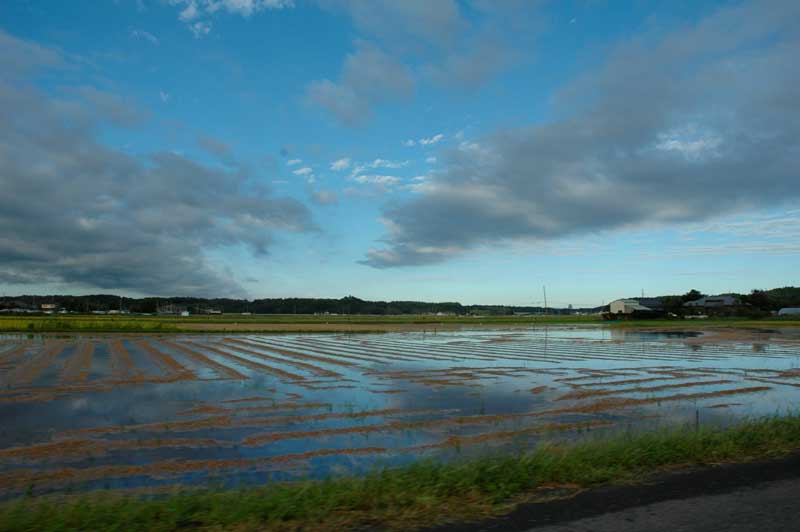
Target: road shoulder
[674,485]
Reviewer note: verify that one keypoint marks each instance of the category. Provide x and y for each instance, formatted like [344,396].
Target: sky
[436,150]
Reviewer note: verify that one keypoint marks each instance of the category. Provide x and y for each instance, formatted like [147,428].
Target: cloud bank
[695,123]
[368,77]
[402,43]
[76,211]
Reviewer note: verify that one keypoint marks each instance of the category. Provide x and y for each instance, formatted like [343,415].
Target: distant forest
[345,305]
[766,300]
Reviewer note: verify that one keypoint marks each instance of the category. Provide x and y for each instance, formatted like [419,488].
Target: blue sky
[451,150]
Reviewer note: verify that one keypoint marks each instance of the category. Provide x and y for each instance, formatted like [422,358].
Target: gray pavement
[766,507]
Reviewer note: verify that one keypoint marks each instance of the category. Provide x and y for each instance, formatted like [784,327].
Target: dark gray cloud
[502,36]
[12,49]
[111,107]
[216,147]
[324,197]
[399,24]
[368,77]
[436,37]
[78,212]
[696,123]
[472,66]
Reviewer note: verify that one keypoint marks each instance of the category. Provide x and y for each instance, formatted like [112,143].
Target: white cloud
[734,248]
[384,163]
[303,171]
[762,227]
[341,164]
[431,140]
[420,183]
[189,13]
[164,96]
[689,143]
[377,163]
[200,29]
[382,180]
[469,146]
[427,141]
[293,162]
[431,160]
[246,8]
[196,12]
[144,35]
[193,9]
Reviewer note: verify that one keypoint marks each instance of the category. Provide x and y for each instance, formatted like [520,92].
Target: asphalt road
[761,496]
[767,507]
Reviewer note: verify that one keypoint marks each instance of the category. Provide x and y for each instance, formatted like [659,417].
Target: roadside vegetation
[422,494]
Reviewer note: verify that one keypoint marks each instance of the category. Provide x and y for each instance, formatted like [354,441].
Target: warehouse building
[714,302]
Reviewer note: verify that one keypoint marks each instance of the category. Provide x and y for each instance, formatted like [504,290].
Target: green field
[94,323]
[334,323]
[409,497]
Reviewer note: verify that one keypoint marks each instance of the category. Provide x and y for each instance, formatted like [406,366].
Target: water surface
[115,411]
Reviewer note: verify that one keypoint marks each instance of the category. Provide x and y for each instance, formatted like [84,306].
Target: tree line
[765,300]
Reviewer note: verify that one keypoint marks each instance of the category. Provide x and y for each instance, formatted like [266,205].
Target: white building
[627,306]
[789,311]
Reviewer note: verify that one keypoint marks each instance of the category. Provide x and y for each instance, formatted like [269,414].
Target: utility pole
[544,291]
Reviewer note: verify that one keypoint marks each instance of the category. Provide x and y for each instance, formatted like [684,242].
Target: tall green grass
[83,324]
[421,494]
[89,323]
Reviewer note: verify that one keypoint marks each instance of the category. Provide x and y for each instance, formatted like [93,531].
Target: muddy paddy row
[148,411]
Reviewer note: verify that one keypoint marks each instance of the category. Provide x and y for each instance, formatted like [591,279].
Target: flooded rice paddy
[147,411]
